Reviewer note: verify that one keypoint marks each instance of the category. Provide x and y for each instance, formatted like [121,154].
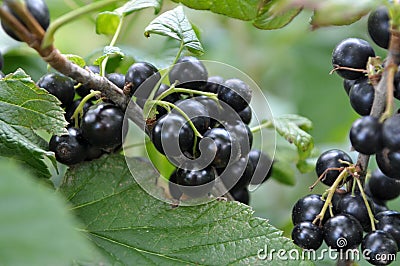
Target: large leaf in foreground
[35,226]
[25,108]
[132,227]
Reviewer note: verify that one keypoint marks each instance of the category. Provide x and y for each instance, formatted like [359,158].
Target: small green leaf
[176,25]
[283,173]
[25,108]
[76,59]
[131,227]
[269,19]
[107,22]
[35,226]
[136,5]
[109,51]
[240,9]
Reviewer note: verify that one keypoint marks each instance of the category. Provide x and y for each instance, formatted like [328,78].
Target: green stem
[112,44]
[370,213]
[173,89]
[266,124]
[79,110]
[71,16]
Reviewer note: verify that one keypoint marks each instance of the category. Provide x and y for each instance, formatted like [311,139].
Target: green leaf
[176,25]
[76,59]
[240,9]
[35,226]
[269,19]
[132,227]
[107,22]
[136,5]
[109,51]
[25,108]
[283,173]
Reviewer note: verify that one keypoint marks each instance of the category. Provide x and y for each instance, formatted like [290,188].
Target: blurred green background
[291,66]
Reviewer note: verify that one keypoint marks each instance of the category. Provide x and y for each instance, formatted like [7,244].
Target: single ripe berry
[262,166]
[242,138]
[212,107]
[190,71]
[245,115]
[38,10]
[307,208]
[366,135]
[196,183]
[221,144]
[213,84]
[362,96]
[389,162]
[62,87]
[69,149]
[354,205]
[389,221]
[171,135]
[307,235]
[196,112]
[383,187]
[391,132]
[173,187]
[236,175]
[236,93]
[102,126]
[143,75]
[242,195]
[117,79]
[379,26]
[379,247]
[352,53]
[343,232]
[84,90]
[331,159]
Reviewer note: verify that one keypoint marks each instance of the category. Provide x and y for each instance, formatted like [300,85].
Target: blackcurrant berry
[354,205]
[172,135]
[331,159]
[262,166]
[102,126]
[379,247]
[383,187]
[242,195]
[347,84]
[389,162]
[60,86]
[307,208]
[84,90]
[117,79]
[389,221]
[236,175]
[213,83]
[197,113]
[379,26]
[196,183]
[69,149]
[142,73]
[221,144]
[71,109]
[307,235]
[391,132]
[362,96]
[366,135]
[342,232]
[190,71]
[246,115]
[174,190]
[352,53]
[241,135]
[38,10]
[212,107]
[236,93]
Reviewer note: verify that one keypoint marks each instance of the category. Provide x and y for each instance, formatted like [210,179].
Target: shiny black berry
[102,126]
[196,112]
[221,144]
[60,86]
[190,71]
[242,137]
[236,175]
[242,195]
[246,115]
[331,159]
[262,166]
[362,96]
[379,247]
[70,148]
[366,135]
[389,221]
[383,187]
[352,53]
[354,205]
[117,79]
[236,93]
[307,209]
[143,75]
[213,84]
[391,132]
[307,235]
[347,84]
[196,183]
[343,232]
[39,11]
[389,162]
[379,26]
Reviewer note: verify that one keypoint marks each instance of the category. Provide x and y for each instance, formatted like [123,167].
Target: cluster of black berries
[99,129]
[205,138]
[346,216]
